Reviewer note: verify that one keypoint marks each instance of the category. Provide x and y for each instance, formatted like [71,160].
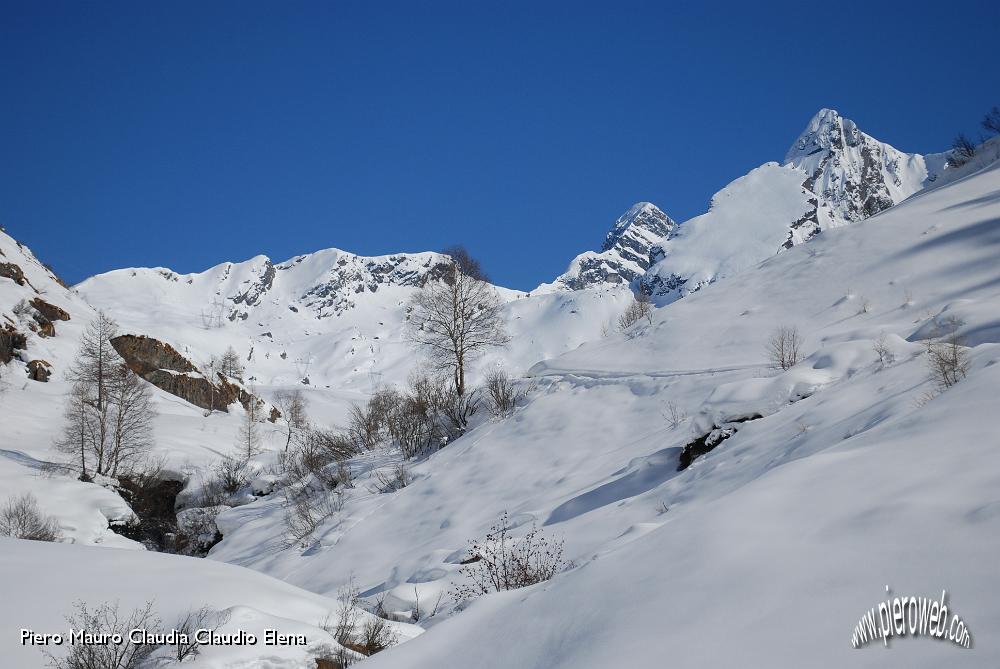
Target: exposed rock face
[853,174]
[39,370]
[10,340]
[625,254]
[161,364]
[13,272]
[50,311]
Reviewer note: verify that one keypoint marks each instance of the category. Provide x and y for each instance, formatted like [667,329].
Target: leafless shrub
[22,519]
[106,619]
[344,628]
[640,307]
[501,562]
[458,409]
[394,479]
[885,355]
[376,635]
[502,393]
[418,422]
[306,510]
[783,347]
[673,414]
[232,473]
[962,151]
[187,626]
[948,360]
[368,425]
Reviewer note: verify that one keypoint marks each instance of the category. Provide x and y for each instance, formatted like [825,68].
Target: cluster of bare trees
[641,307]
[963,149]
[109,413]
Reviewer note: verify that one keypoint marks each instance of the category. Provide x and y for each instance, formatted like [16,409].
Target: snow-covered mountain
[829,480]
[833,174]
[625,254]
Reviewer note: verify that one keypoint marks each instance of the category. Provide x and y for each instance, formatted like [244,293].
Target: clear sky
[185,134]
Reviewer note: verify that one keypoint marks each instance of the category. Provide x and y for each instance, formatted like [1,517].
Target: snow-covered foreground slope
[848,474]
[42,582]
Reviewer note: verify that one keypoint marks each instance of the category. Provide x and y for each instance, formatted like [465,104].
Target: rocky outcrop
[10,340]
[50,311]
[13,272]
[39,370]
[145,355]
[161,364]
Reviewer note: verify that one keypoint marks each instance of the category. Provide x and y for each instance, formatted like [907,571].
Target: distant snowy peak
[324,283]
[853,174]
[624,256]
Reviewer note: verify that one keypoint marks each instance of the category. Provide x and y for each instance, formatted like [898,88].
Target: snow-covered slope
[854,474]
[625,254]
[47,580]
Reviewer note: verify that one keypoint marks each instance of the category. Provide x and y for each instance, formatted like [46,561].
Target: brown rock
[10,341]
[50,311]
[161,364]
[13,272]
[39,370]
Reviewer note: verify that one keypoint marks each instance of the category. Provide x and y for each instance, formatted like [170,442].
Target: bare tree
[248,436]
[96,358]
[22,519]
[783,347]
[962,150]
[454,320]
[991,122]
[230,365]
[131,420]
[465,262]
[76,438]
[881,347]
[292,404]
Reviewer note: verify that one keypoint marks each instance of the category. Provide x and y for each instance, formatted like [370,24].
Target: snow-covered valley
[716,510]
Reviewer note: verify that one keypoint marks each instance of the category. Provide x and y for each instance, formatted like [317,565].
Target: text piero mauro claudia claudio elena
[204,637]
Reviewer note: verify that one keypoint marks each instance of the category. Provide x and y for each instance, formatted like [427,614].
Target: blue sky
[185,134]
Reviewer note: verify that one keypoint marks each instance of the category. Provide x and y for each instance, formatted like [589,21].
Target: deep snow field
[847,476]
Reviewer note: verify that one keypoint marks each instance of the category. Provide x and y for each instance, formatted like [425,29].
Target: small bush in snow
[948,361]
[673,414]
[784,347]
[393,480]
[188,625]
[885,355]
[502,393]
[501,562]
[232,473]
[107,619]
[306,510]
[22,519]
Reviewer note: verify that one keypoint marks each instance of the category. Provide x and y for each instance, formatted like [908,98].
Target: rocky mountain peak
[853,175]
[625,253]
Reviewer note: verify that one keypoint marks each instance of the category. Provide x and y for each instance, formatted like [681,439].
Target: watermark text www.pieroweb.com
[911,616]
